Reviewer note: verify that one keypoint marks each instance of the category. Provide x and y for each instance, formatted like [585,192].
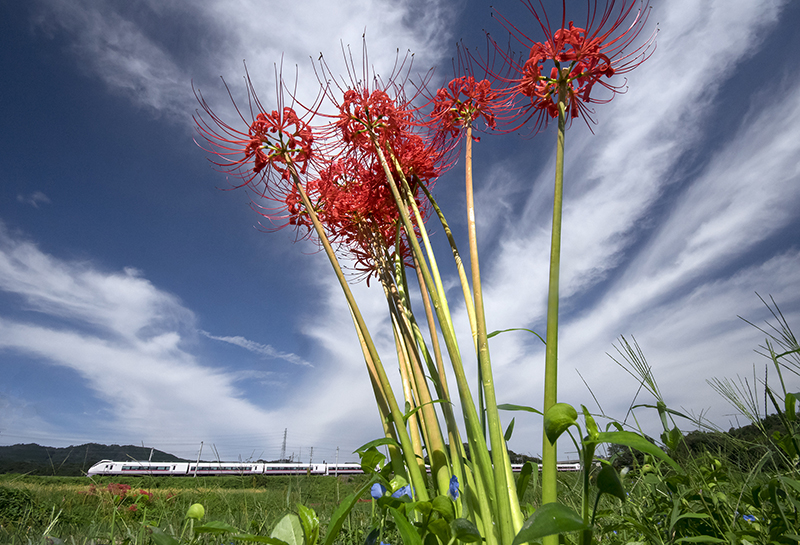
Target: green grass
[79,510]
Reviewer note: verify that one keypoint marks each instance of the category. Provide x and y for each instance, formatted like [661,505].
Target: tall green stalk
[414,473]
[504,482]
[549,486]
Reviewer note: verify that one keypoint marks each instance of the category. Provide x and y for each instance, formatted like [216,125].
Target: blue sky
[140,304]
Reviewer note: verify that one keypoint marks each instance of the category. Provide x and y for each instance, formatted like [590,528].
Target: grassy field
[80,510]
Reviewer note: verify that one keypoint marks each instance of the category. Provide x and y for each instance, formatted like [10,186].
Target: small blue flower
[453,491]
[749,518]
[377,491]
[402,491]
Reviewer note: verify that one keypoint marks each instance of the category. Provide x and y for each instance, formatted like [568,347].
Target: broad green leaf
[608,482]
[509,430]
[371,459]
[406,529]
[700,539]
[557,419]
[634,440]
[310,523]
[444,506]
[343,509]
[160,538]
[464,530]
[289,529]
[524,479]
[440,528]
[672,438]
[512,407]
[216,527]
[549,519]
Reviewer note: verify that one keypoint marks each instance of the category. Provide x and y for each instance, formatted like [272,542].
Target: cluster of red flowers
[453,112]
[376,132]
[580,58]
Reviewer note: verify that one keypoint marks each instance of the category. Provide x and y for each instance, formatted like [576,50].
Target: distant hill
[70,461]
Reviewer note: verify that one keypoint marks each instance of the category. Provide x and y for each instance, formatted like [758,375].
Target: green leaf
[608,482]
[557,419]
[343,509]
[371,459]
[591,425]
[499,331]
[377,443]
[216,527]
[289,529]
[160,538]
[549,519]
[440,528]
[509,430]
[524,479]
[672,438]
[634,440]
[258,539]
[464,530]
[700,539]
[310,523]
[444,506]
[791,406]
[512,407]
[406,529]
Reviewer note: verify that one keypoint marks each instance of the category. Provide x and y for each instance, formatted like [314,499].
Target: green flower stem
[462,275]
[440,465]
[480,452]
[456,448]
[405,378]
[549,486]
[504,481]
[413,470]
[395,454]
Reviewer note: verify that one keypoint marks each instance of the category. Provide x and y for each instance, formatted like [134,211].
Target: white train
[192,469]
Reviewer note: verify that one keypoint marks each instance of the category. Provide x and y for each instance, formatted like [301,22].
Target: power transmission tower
[283,448]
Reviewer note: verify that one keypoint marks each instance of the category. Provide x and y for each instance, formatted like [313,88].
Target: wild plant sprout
[358,179]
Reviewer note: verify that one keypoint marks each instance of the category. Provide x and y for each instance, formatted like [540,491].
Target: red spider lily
[579,58]
[356,206]
[353,197]
[263,153]
[454,112]
[118,489]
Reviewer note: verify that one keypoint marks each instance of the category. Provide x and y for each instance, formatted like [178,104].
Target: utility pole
[198,459]
[283,448]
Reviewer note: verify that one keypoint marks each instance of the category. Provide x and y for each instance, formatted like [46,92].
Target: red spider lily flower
[354,202]
[353,197]
[458,105]
[264,153]
[118,489]
[573,59]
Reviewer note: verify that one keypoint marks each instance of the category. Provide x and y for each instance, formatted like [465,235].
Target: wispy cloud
[264,350]
[133,49]
[34,199]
